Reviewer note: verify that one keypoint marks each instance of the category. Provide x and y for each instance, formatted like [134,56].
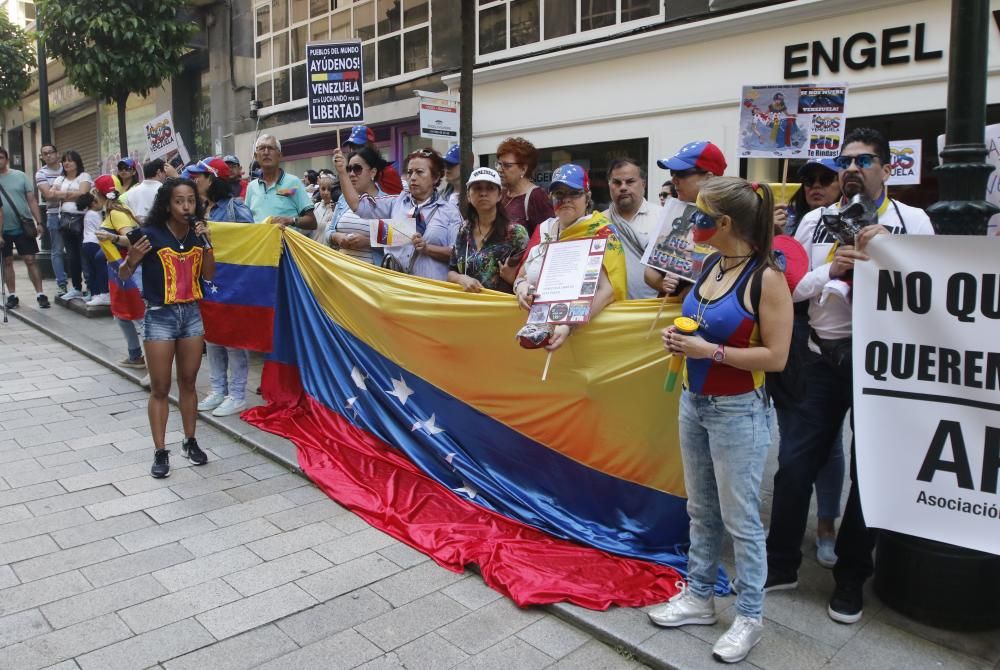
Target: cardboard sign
[906,159]
[673,249]
[161,138]
[568,281]
[438,119]
[335,83]
[783,121]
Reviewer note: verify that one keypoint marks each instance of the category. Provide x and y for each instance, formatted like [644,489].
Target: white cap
[484,174]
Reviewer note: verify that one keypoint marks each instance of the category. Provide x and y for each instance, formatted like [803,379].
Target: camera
[845,223]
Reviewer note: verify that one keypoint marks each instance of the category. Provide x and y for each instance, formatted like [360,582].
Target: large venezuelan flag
[412,404]
[126,299]
[238,303]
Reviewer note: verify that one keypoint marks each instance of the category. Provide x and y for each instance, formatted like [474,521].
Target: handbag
[27,222]
[71,223]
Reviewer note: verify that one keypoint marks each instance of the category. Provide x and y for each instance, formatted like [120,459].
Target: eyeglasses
[559,196]
[266,148]
[501,165]
[356,168]
[863,161]
[823,179]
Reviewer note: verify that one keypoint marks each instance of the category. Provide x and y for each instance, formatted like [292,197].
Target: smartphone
[134,235]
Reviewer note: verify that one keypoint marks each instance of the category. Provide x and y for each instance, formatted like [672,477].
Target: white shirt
[140,198]
[65,184]
[91,223]
[644,224]
[830,315]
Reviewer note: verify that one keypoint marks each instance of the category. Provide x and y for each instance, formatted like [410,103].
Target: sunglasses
[823,179]
[863,161]
[356,168]
[664,195]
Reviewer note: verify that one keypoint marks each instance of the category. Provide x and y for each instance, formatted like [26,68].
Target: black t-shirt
[171,270]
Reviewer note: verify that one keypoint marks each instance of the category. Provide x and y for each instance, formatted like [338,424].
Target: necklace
[703,303]
[723,271]
[180,240]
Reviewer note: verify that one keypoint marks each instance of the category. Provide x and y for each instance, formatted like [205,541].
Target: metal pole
[43,90]
[935,583]
[465,95]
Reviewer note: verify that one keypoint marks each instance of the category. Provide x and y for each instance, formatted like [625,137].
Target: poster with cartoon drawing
[783,121]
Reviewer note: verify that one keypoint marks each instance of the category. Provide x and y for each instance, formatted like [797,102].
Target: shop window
[524,26]
[395,36]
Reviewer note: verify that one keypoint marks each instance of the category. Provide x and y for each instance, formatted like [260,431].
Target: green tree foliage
[113,48]
[16,60]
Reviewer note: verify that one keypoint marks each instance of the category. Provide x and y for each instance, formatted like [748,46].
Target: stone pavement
[244,563]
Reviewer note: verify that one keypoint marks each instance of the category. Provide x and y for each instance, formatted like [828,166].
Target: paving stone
[63,644]
[267,487]
[98,530]
[403,555]
[103,477]
[121,460]
[511,653]
[894,648]
[157,535]
[22,626]
[390,661]
[626,624]
[43,524]
[684,650]
[334,616]
[305,514]
[349,523]
[352,546]
[133,565]
[415,582]
[595,655]
[104,600]
[179,473]
[231,536]
[266,470]
[224,448]
[304,496]
[344,650]
[279,571]
[173,607]
[237,653]
[28,493]
[70,456]
[344,578]
[248,613]
[396,628]
[67,559]
[205,485]
[554,637]
[286,543]
[430,652]
[67,501]
[227,516]
[33,594]
[7,577]
[472,592]
[101,438]
[19,479]
[28,464]
[191,506]
[147,649]
[202,569]
[29,547]
[488,625]
[243,459]
[133,503]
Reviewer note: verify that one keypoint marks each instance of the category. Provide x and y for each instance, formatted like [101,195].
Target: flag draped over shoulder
[126,299]
[238,303]
[412,404]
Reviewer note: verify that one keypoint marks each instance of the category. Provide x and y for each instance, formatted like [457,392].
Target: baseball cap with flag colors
[570,175]
[361,135]
[215,166]
[701,155]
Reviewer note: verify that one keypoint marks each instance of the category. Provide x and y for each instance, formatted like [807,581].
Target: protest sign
[673,249]
[438,119]
[926,380]
[783,121]
[335,83]
[568,281]
[161,138]
[906,157]
[392,232]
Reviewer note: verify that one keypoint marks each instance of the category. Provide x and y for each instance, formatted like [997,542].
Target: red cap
[106,186]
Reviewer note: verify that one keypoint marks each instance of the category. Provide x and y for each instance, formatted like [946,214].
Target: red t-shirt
[539,209]
[389,181]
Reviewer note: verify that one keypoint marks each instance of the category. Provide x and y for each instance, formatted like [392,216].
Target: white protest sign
[161,137]
[926,381]
[906,160]
[568,281]
[438,119]
[792,121]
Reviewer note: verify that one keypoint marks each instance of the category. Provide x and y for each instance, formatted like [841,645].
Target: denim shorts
[173,322]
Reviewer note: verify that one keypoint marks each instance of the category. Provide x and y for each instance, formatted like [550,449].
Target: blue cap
[454,155]
[828,163]
[702,155]
[570,175]
[231,159]
[361,135]
[129,163]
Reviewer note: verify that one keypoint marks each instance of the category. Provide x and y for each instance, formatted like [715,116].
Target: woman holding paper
[570,195]
[743,310]
[346,230]
[489,247]
[427,252]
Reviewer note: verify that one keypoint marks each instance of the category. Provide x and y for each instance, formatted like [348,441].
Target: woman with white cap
[488,247]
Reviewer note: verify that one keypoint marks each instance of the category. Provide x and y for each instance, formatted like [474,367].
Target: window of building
[395,37]
[513,27]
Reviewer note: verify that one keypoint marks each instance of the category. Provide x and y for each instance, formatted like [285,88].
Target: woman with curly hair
[525,203]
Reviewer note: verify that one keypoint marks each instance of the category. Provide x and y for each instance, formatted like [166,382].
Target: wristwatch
[720,353]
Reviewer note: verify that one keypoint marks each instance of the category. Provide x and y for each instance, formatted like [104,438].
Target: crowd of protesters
[754,314]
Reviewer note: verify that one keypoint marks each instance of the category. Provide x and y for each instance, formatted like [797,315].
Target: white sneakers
[210,402]
[100,299]
[72,293]
[230,406]
[686,608]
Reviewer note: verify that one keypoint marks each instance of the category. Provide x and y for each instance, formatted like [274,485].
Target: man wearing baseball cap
[237,184]
[452,174]
[388,179]
[690,167]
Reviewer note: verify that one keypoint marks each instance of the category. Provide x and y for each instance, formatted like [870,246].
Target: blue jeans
[830,480]
[173,322]
[132,330]
[223,360]
[724,443]
[56,247]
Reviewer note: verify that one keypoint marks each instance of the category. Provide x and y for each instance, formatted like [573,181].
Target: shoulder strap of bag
[10,202]
[527,196]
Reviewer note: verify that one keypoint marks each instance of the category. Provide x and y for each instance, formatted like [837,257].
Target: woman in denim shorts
[742,308]
[176,234]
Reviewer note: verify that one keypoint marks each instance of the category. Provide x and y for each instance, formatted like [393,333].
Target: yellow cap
[685,324]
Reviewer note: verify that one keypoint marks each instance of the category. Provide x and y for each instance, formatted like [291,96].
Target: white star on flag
[468,489]
[214,289]
[428,426]
[359,378]
[350,405]
[450,458]
[401,390]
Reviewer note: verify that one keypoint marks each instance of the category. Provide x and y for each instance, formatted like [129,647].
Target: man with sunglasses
[863,169]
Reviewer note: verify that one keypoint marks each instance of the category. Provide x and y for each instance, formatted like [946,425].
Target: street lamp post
[935,583]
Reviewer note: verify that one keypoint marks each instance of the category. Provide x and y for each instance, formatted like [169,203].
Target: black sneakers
[779,582]
[13,301]
[161,464]
[846,603]
[191,451]
[43,301]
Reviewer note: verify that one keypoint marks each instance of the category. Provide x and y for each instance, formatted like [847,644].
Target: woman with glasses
[743,310]
[820,188]
[489,247]
[574,219]
[345,230]
[437,221]
[524,202]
